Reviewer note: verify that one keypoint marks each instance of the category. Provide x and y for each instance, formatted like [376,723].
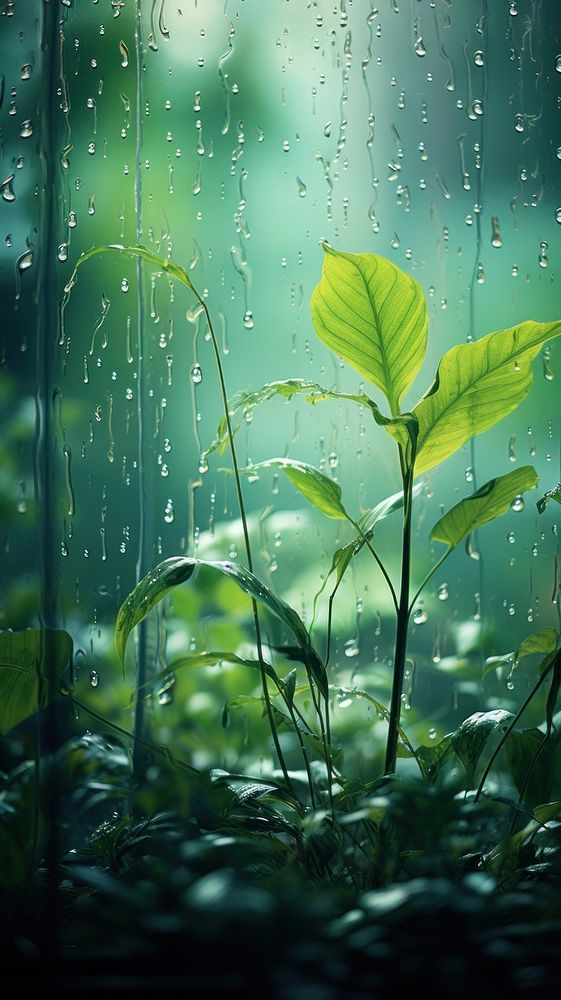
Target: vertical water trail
[471,550]
[143,557]
[43,471]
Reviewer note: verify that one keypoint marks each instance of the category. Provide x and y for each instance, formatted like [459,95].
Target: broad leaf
[554,494]
[374,316]
[322,492]
[432,758]
[177,570]
[490,501]
[477,385]
[30,662]
[470,739]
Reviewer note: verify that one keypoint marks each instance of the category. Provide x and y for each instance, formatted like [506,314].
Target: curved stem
[379,562]
[429,576]
[256,622]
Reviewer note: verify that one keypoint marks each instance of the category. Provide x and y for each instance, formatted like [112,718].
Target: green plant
[374,317]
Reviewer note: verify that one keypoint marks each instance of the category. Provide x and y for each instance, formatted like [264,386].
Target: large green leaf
[477,385]
[470,739]
[30,662]
[490,501]
[172,572]
[322,492]
[529,762]
[374,316]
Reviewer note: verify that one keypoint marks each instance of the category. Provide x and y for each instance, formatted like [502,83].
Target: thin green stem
[429,576]
[379,562]
[511,726]
[403,613]
[241,504]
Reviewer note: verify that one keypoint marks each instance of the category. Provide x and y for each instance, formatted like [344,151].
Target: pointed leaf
[322,492]
[477,385]
[554,494]
[374,316]
[177,570]
[469,741]
[487,503]
[162,263]
[204,659]
[151,589]
[543,641]
[30,662]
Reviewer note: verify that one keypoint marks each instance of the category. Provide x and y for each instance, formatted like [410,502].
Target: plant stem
[257,625]
[429,576]
[403,613]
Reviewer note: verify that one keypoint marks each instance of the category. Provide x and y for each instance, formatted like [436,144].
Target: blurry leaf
[487,503]
[543,641]
[554,494]
[322,492]
[525,753]
[470,739]
[204,659]
[476,385]
[373,316]
[432,758]
[30,662]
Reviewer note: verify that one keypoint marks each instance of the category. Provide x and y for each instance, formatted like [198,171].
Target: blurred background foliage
[233,136]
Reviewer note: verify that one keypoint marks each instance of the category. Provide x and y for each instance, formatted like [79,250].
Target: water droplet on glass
[547,372]
[7,190]
[420,49]
[420,616]
[26,128]
[333,460]
[432,734]
[513,9]
[519,123]
[442,592]
[94,678]
[344,700]
[496,238]
[518,503]
[352,648]
[125,285]
[478,58]
[248,320]
[511,537]
[557,64]
[469,474]
[543,260]
[124,54]
[196,373]
[303,190]
[169,512]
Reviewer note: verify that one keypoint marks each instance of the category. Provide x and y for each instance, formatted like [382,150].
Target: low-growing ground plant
[290,830]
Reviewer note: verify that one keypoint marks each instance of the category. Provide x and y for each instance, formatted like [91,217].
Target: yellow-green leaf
[490,501]
[374,316]
[322,492]
[477,385]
